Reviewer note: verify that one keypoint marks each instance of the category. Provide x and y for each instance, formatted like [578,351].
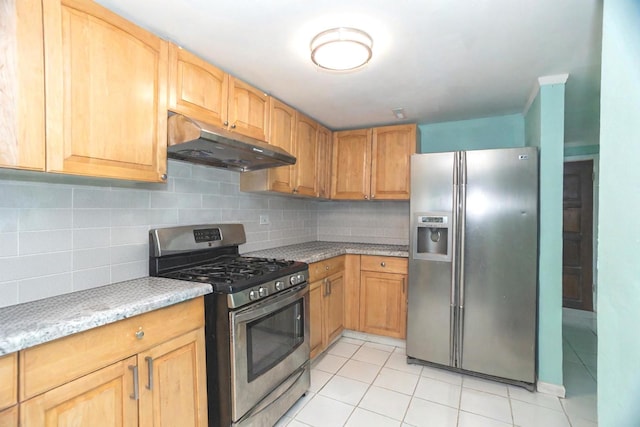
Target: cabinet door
[197,88]
[351,165]
[103,398]
[391,159]
[324,162]
[173,383]
[307,156]
[248,110]
[106,94]
[316,294]
[282,134]
[334,306]
[21,85]
[383,303]
[8,380]
[9,417]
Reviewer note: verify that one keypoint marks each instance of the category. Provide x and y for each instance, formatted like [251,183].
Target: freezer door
[429,317]
[498,297]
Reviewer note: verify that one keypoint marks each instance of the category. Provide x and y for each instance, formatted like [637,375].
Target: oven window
[273,337]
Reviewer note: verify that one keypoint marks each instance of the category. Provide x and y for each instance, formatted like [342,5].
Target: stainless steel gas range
[256,321]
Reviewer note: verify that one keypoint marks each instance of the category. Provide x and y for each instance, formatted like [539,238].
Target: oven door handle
[270,305]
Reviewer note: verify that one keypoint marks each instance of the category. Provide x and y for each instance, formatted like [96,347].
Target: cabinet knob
[233,126]
[140,333]
[163,177]
[326,267]
[382,264]
[366,197]
[295,190]
[373,196]
[226,123]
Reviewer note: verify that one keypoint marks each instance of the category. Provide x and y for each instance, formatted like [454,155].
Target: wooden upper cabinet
[248,110]
[106,94]
[325,142]
[197,88]
[392,147]
[282,134]
[373,164]
[204,92]
[306,167]
[351,165]
[22,129]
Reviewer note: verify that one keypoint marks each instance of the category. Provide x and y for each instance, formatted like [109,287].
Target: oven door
[270,341]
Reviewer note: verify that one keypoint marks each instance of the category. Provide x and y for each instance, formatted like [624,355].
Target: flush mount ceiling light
[341,49]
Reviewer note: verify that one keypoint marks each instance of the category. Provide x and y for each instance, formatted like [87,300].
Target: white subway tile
[129,235]
[34,196]
[129,199]
[183,185]
[8,245]
[91,238]
[179,169]
[163,217]
[44,287]
[130,270]
[129,217]
[220,202]
[8,294]
[91,218]
[8,220]
[175,200]
[45,219]
[91,278]
[92,198]
[199,216]
[91,258]
[129,253]
[38,242]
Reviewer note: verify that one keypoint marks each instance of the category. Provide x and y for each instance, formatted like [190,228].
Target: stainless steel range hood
[198,142]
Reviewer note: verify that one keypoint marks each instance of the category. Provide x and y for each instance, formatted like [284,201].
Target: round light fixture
[341,49]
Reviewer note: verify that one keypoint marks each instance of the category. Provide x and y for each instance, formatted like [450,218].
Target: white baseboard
[552,389]
[396,342]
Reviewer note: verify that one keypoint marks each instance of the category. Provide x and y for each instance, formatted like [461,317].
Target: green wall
[544,128]
[581,150]
[619,227]
[475,134]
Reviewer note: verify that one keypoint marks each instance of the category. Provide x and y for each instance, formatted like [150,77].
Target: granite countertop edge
[29,324]
[317,251]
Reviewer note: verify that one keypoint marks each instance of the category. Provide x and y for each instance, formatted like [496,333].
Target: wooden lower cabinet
[383,296]
[326,301]
[103,398]
[9,417]
[153,378]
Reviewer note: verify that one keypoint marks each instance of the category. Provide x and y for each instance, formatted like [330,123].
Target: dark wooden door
[577,235]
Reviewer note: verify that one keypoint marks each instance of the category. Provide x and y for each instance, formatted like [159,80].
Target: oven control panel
[207,235]
[266,289]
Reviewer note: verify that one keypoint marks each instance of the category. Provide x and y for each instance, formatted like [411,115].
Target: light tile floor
[368,384]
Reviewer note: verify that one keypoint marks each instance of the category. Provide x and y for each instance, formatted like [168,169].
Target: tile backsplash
[59,234]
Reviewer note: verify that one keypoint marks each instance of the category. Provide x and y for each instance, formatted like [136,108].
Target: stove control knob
[279,285]
[253,295]
[293,280]
[263,292]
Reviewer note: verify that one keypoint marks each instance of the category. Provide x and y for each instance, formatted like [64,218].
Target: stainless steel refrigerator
[473,257]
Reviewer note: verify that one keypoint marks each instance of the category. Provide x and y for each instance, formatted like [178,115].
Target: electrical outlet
[264,219]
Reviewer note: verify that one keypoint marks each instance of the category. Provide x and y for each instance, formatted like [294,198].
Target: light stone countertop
[317,251]
[32,323]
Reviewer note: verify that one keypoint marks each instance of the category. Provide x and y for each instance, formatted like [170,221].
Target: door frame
[596,179]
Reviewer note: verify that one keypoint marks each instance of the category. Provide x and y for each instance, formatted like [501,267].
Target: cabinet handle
[366,197]
[136,391]
[233,126]
[383,264]
[326,267]
[163,177]
[329,283]
[149,360]
[404,291]
[373,196]
[295,190]
[226,123]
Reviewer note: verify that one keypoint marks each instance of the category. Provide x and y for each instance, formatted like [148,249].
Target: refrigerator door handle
[453,309]
[462,236]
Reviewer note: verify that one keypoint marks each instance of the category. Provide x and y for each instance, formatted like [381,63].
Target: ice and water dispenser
[433,236]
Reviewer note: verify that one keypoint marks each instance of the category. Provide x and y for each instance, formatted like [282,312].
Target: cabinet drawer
[9,417]
[8,380]
[384,264]
[322,269]
[51,364]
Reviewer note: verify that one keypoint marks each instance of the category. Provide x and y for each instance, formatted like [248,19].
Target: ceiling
[441,60]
